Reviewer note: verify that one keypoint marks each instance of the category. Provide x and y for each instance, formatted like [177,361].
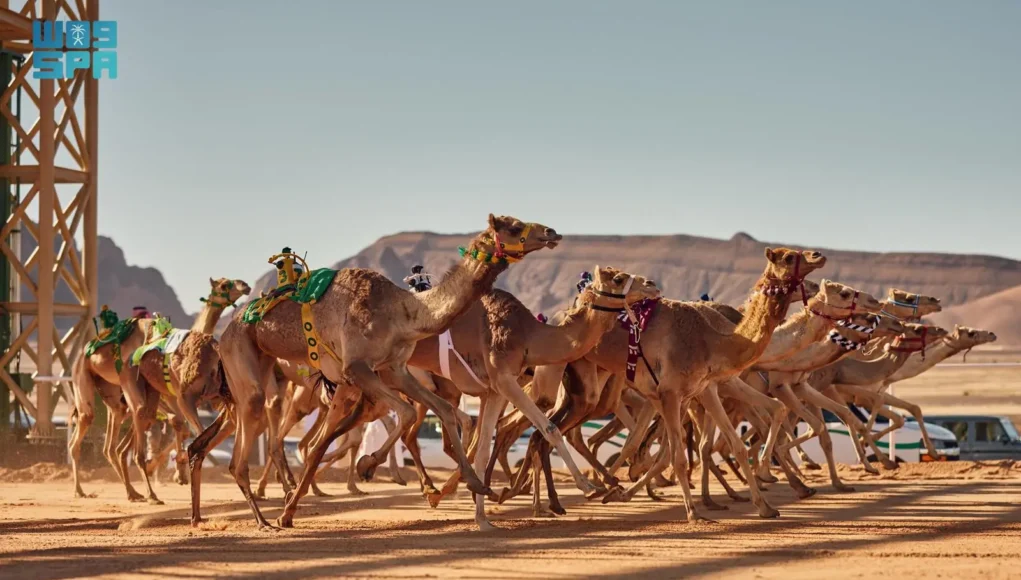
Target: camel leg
[635,438]
[705,454]
[737,389]
[274,417]
[915,411]
[894,418]
[809,394]
[251,415]
[509,429]
[605,433]
[575,438]
[672,409]
[142,418]
[487,429]
[197,452]
[509,388]
[119,450]
[337,422]
[812,415]
[407,384]
[410,439]
[395,472]
[710,399]
[181,433]
[857,430]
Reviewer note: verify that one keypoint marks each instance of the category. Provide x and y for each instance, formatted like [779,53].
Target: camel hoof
[434,498]
[843,488]
[285,521]
[597,493]
[196,521]
[557,509]
[616,494]
[180,478]
[155,501]
[766,478]
[399,481]
[484,491]
[485,526]
[711,505]
[655,496]
[890,465]
[429,490]
[357,492]
[811,466]
[804,492]
[871,470]
[136,498]
[768,512]
[543,513]
[319,493]
[366,467]
[505,494]
[259,495]
[700,518]
[267,527]
[739,498]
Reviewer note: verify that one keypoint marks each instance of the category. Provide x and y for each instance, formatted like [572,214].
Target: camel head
[613,283]
[225,292]
[904,304]
[791,266]
[964,337]
[510,238]
[917,337]
[837,300]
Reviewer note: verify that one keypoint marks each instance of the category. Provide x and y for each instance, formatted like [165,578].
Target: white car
[908,444]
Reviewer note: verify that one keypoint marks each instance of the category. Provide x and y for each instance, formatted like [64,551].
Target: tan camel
[962,339]
[499,338]
[685,353]
[832,302]
[849,380]
[180,369]
[359,329]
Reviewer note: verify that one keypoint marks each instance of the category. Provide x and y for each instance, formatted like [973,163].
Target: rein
[901,340]
[913,306]
[850,309]
[784,286]
[598,292]
[635,322]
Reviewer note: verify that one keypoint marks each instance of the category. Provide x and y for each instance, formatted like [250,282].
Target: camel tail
[224,385]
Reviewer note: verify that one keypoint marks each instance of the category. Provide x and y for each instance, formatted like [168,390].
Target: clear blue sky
[864,125]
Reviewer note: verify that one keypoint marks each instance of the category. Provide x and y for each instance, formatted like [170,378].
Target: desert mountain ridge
[686,266]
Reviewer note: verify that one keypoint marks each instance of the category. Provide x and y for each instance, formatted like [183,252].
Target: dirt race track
[923,521]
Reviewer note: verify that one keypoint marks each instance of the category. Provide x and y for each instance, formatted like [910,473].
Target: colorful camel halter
[499,255]
[218,299]
[786,285]
[850,310]
[922,344]
[634,319]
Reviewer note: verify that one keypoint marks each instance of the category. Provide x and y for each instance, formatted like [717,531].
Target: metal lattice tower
[49,181]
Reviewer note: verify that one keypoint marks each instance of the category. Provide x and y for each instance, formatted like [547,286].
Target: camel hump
[716,316]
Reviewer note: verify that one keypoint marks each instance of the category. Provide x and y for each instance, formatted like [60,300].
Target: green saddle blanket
[114,335]
[313,289]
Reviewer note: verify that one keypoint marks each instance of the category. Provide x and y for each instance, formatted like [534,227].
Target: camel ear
[492,221]
[598,272]
[770,254]
[212,283]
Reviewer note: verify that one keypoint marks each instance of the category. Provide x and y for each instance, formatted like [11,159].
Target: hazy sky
[861,125]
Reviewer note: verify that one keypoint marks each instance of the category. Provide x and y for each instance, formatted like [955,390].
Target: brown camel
[359,330]
[685,353]
[498,338]
[180,369]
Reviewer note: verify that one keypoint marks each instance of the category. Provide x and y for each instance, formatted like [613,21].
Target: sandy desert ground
[924,521]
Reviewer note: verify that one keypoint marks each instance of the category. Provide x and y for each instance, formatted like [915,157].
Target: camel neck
[459,289]
[798,333]
[914,365]
[207,318]
[763,312]
[870,372]
[572,339]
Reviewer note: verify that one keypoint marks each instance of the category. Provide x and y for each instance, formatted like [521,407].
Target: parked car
[909,446]
[982,437]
